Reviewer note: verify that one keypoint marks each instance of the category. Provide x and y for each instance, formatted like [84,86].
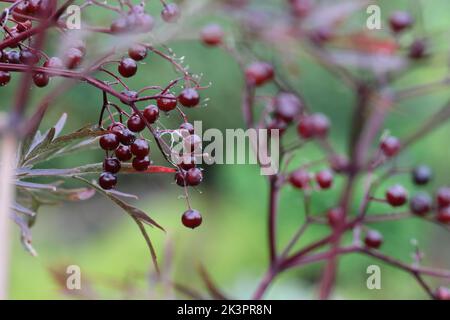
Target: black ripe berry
[141,164]
[111,165]
[140,148]
[400,20]
[336,217]
[12,56]
[443,197]
[191,218]
[166,102]
[418,49]
[390,146]
[189,97]
[300,179]
[287,106]
[180,178]
[373,239]
[151,113]
[194,176]
[170,13]
[107,180]
[40,79]
[135,123]
[396,195]
[123,153]
[420,204]
[5,77]
[28,57]
[212,35]
[324,179]
[137,52]
[109,141]
[127,67]
[421,174]
[259,73]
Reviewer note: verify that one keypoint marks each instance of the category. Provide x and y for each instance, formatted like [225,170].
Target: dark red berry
[442,293]
[420,204]
[24,26]
[151,113]
[28,57]
[126,137]
[140,148]
[109,141]
[180,179]
[338,163]
[127,67]
[396,195]
[187,127]
[20,10]
[212,35]
[119,25]
[167,102]
[421,175]
[315,125]
[170,13]
[191,219]
[418,49]
[135,123]
[53,62]
[373,239]
[111,165]
[123,153]
[5,77]
[137,52]
[107,180]
[324,179]
[258,73]
[443,197]
[72,58]
[186,162]
[336,217]
[141,164]
[189,97]
[287,106]
[300,179]
[194,176]
[400,20]
[443,215]
[390,146]
[40,79]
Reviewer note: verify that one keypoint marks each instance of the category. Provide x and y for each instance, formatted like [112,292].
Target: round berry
[336,217]
[73,57]
[151,113]
[186,162]
[420,204]
[141,164]
[443,215]
[305,128]
[189,97]
[324,179]
[421,174]
[418,49]
[126,137]
[194,176]
[442,293]
[123,153]
[135,123]
[300,179]
[127,67]
[258,73]
[24,26]
[137,52]
[140,148]
[5,77]
[191,219]
[170,13]
[212,35]
[400,20]
[107,180]
[396,195]
[443,197]
[287,106]
[116,128]
[53,62]
[390,146]
[20,11]
[373,239]
[119,25]
[187,127]
[321,124]
[166,102]
[40,79]
[28,57]
[180,179]
[13,56]
[143,22]
[338,163]
[109,141]
[111,165]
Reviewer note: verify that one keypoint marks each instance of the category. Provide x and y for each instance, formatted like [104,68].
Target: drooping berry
[28,57]
[137,52]
[421,175]
[140,148]
[141,164]
[373,239]
[259,73]
[300,179]
[180,179]
[443,197]
[212,35]
[336,217]
[151,113]
[109,141]
[135,123]
[187,162]
[338,163]
[442,293]
[443,215]
[315,125]
[191,218]
[107,180]
[396,195]
[400,21]
[5,77]
[390,146]
[287,106]
[324,179]
[167,102]
[418,49]
[73,57]
[40,79]
[12,56]
[194,176]
[111,165]
[421,204]
[170,13]
[189,97]
[123,153]
[127,67]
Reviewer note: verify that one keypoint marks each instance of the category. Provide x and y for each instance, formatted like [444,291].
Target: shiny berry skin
[390,146]
[421,175]
[151,113]
[287,106]
[187,162]
[116,127]
[166,102]
[212,35]
[400,20]
[140,148]
[315,125]
[373,239]
[5,77]
[107,180]
[300,179]
[443,197]
[418,49]
[20,9]
[170,13]
[335,217]
[187,127]
[305,128]
[72,58]
[324,179]
[443,215]
[442,293]
[189,97]
[339,163]
[109,141]
[40,79]
[259,73]
[194,176]
[137,52]
[126,137]
[53,62]
[141,164]
[180,179]
[191,219]
[127,67]
[420,204]
[123,153]
[111,165]
[396,195]
[135,123]
[28,57]
[12,56]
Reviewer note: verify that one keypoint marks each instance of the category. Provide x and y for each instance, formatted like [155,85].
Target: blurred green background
[231,243]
